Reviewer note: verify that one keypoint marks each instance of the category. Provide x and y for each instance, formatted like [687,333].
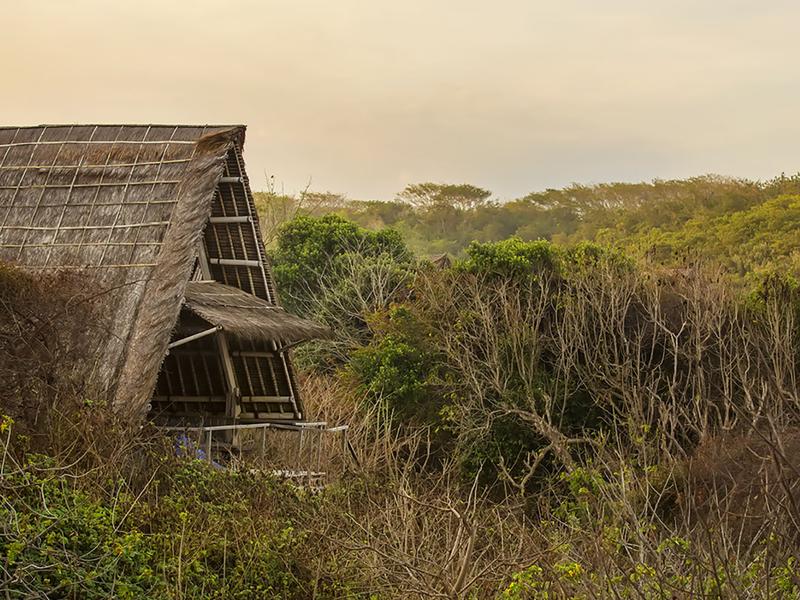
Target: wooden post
[263,441]
[300,451]
[320,433]
[203,260]
[232,404]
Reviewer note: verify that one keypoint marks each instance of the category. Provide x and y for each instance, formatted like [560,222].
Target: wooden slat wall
[262,377]
[190,371]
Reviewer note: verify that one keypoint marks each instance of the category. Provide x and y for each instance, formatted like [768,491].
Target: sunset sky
[363,97]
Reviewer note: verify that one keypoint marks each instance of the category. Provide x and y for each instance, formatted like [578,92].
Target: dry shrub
[749,484]
[404,525]
[47,325]
[375,442]
[403,519]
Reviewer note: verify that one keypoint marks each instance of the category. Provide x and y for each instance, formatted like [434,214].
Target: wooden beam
[221,220]
[189,398]
[252,354]
[186,352]
[194,337]
[268,399]
[232,407]
[234,262]
[202,259]
[284,416]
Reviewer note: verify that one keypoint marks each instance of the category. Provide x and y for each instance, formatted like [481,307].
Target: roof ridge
[187,125]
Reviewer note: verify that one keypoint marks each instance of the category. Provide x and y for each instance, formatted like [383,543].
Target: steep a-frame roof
[127,205]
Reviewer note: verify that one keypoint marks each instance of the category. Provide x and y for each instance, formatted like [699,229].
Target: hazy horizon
[362,98]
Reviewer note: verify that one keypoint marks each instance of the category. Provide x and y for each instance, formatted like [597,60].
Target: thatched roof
[246,316]
[441,261]
[130,205]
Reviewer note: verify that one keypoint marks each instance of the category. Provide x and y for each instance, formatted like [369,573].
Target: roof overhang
[246,316]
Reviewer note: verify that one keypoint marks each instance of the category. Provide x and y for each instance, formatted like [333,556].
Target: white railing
[205,439]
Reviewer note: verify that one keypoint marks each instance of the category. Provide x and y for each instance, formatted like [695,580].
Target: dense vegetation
[597,399]
[746,225]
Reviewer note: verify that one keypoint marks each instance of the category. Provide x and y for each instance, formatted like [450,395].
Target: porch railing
[205,438]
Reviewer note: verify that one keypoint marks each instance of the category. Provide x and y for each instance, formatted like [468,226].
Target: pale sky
[362,97]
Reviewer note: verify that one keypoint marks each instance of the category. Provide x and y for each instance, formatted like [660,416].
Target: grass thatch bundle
[246,316]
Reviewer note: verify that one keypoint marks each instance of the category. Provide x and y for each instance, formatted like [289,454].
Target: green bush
[393,371]
[308,248]
[194,532]
[61,543]
[512,257]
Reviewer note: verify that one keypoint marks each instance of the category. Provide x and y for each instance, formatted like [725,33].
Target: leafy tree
[339,273]
[308,249]
[428,196]
[511,257]
[444,207]
[747,242]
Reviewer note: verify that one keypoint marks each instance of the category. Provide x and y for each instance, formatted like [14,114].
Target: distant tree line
[745,225]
